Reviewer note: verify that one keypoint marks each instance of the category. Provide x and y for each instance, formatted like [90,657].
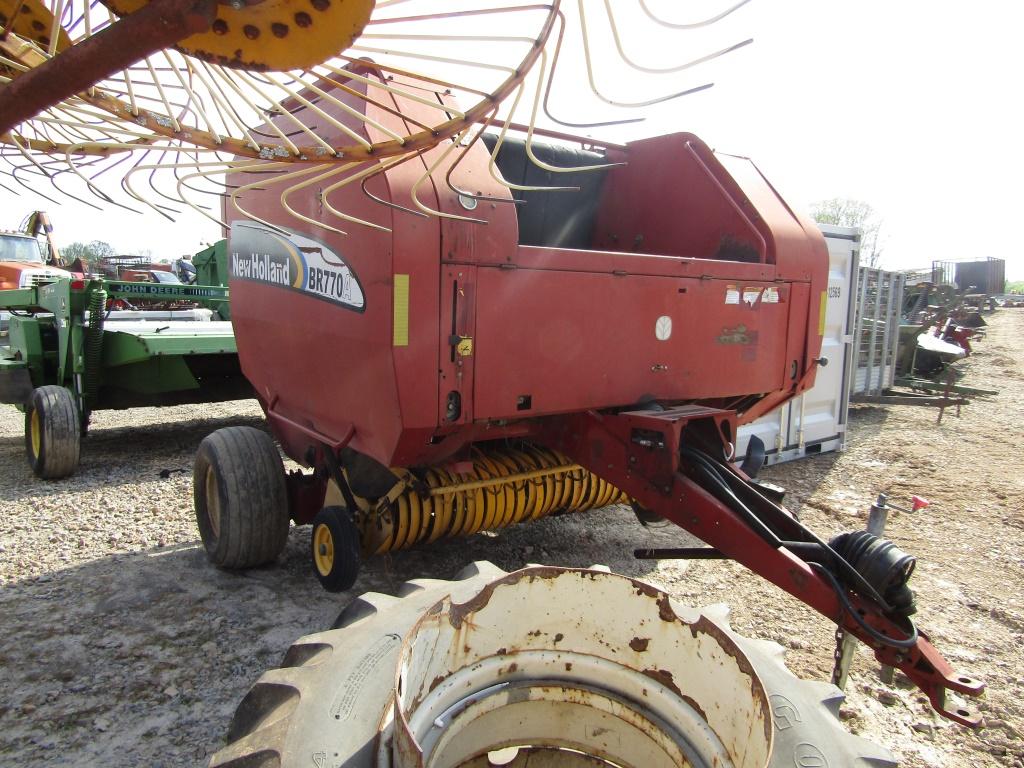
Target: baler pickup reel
[665,460]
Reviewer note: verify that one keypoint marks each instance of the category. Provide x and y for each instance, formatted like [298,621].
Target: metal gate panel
[876,331]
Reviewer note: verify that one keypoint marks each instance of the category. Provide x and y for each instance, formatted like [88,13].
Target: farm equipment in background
[141,269]
[186,271]
[69,356]
[949,308]
[136,269]
[977,279]
[211,268]
[908,337]
[937,328]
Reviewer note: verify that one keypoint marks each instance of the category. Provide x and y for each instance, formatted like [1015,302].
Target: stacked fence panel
[876,331]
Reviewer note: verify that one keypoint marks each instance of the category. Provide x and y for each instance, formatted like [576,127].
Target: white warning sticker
[770,295]
[732,294]
[751,294]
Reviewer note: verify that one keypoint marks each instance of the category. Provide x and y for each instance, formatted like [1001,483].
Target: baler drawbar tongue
[664,460]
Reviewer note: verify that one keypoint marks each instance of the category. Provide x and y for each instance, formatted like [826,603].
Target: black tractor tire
[53,432]
[334,549]
[240,497]
[333,690]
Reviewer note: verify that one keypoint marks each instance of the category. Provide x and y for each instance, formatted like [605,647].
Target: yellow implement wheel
[272,34]
[213,501]
[53,432]
[334,549]
[323,550]
[32,20]
[35,434]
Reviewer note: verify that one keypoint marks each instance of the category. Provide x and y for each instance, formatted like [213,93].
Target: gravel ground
[122,647]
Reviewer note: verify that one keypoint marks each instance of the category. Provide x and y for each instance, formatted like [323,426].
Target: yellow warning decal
[821,313]
[400,335]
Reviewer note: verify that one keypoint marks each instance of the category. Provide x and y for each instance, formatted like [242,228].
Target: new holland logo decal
[295,262]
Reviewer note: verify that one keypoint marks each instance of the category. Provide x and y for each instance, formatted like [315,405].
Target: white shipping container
[815,422]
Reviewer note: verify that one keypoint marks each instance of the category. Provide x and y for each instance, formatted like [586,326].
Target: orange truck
[22,264]
[28,258]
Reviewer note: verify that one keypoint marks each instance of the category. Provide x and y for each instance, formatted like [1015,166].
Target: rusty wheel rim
[501,673]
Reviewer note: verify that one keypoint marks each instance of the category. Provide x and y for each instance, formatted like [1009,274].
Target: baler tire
[334,549]
[347,674]
[240,498]
[53,432]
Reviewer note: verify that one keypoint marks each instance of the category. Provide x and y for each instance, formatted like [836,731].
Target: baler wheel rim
[401,523]
[337,567]
[477,504]
[35,433]
[212,500]
[496,495]
[323,549]
[417,521]
[580,486]
[525,490]
[609,494]
[501,506]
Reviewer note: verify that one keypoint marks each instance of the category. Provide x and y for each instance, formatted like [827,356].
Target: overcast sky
[911,106]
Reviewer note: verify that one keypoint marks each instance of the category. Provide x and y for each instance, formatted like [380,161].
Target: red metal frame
[653,475]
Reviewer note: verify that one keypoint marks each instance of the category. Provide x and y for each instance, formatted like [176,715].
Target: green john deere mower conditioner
[70,354]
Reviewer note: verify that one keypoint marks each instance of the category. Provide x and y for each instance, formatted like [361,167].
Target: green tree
[843,212]
[90,253]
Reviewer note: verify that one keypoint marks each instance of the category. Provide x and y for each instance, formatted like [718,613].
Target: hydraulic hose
[844,600]
[874,560]
[727,486]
